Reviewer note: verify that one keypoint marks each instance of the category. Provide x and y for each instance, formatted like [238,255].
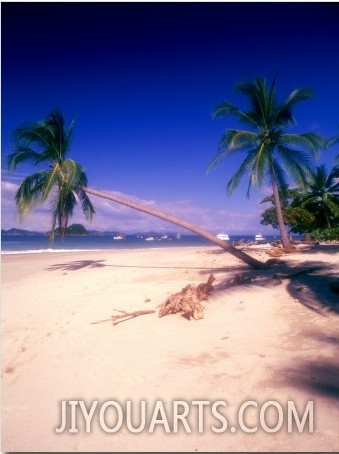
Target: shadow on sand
[80,264]
[318,377]
[315,284]
[76,265]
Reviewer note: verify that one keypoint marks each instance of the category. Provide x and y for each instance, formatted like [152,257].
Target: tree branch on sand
[125,315]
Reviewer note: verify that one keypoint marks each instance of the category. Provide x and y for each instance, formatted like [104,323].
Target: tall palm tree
[52,140]
[323,193]
[271,153]
[49,141]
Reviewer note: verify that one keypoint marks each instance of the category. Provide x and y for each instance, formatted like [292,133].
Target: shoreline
[256,342]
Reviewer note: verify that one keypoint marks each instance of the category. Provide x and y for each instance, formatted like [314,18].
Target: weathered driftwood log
[188,301]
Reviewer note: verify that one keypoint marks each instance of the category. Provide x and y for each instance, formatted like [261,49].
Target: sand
[257,342]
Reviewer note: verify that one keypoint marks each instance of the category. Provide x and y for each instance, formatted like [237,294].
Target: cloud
[113,216]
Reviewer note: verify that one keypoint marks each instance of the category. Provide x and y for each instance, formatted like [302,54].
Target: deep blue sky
[143,78]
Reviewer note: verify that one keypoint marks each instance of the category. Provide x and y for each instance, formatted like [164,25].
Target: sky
[142,80]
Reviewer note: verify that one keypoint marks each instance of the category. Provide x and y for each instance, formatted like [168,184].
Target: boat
[118,237]
[150,238]
[259,237]
[223,236]
[164,237]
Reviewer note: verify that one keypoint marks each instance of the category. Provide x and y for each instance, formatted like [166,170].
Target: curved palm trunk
[181,223]
[287,245]
[327,219]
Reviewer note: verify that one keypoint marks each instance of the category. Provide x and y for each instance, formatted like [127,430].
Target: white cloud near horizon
[112,216]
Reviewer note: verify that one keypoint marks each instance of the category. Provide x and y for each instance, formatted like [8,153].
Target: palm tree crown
[48,141]
[323,193]
[272,154]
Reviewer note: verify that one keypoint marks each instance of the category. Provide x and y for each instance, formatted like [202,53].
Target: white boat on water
[223,236]
[259,237]
[118,237]
[150,238]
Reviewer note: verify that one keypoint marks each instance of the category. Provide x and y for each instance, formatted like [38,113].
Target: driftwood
[188,301]
[275,252]
[125,315]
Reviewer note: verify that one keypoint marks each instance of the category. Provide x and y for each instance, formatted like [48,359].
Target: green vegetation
[326,235]
[314,209]
[48,141]
[270,153]
[322,195]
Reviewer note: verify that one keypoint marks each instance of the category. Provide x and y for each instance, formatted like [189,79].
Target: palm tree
[330,143]
[69,181]
[323,193]
[49,141]
[271,153]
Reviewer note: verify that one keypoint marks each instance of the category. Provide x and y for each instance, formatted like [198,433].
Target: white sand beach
[258,341]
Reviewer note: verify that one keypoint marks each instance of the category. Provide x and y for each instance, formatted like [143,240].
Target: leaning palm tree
[323,193]
[271,152]
[48,141]
[52,140]
[180,223]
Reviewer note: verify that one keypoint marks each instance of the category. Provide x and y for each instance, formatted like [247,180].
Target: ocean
[30,244]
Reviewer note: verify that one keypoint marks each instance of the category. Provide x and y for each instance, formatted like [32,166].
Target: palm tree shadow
[312,284]
[77,265]
[319,378]
[316,288]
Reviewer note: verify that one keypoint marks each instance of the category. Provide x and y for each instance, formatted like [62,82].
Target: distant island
[80,230]
[17,232]
[74,229]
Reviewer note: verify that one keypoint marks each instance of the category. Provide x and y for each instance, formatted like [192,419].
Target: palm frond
[34,134]
[332,141]
[30,192]
[244,168]
[218,157]
[296,164]
[261,164]
[86,203]
[54,176]
[310,141]
[262,99]
[285,115]
[22,154]
[333,204]
[69,203]
[236,139]
[227,108]
[332,181]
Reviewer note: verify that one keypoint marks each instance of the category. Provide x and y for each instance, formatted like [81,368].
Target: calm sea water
[40,244]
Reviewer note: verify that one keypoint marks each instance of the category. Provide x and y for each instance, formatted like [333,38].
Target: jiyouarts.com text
[194,416]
